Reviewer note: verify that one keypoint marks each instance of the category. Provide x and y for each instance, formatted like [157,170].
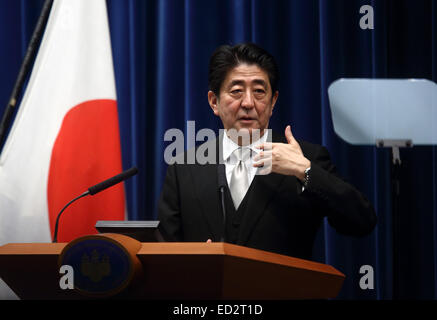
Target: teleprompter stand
[393,113]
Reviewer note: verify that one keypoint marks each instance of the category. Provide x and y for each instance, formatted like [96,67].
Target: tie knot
[242,153]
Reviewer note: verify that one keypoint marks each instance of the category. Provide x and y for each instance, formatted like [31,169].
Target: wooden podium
[179,271]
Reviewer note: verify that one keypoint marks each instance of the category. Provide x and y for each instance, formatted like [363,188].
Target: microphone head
[112,181]
[130,172]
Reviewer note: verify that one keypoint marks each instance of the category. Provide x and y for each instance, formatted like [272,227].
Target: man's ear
[274,99]
[213,102]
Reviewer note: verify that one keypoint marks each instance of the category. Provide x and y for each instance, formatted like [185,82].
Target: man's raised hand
[282,158]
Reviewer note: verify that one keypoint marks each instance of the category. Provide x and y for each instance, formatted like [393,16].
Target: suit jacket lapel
[260,194]
[207,193]
[205,179]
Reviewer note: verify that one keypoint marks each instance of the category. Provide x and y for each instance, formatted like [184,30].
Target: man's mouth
[246,119]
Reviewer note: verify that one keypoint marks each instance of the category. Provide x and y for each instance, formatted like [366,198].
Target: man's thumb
[289,135]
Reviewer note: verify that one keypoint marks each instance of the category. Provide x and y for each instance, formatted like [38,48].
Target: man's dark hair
[225,58]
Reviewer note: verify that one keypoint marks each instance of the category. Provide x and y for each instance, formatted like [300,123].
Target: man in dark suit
[237,199]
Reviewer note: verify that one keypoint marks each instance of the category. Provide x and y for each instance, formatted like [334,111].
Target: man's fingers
[263,161]
[265,146]
[265,170]
[265,154]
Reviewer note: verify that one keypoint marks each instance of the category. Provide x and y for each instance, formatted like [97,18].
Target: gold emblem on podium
[95,268]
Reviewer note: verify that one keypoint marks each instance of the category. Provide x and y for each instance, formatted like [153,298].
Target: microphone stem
[55,236]
[222,193]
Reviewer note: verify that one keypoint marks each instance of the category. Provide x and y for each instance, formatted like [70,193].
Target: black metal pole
[396,168]
[24,70]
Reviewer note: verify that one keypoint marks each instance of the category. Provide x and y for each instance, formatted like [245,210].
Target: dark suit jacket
[279,216]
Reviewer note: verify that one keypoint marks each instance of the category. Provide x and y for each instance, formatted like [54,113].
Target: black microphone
[96,189]
[222,184]
[112,181]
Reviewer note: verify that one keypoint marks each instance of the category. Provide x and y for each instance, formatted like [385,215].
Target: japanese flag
[65,137]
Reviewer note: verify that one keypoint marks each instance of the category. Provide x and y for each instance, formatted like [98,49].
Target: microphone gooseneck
[55,236]
[96,189]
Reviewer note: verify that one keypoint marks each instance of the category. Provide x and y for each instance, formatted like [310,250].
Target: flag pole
[24,70]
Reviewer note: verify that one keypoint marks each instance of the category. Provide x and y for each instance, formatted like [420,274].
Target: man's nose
[248,101]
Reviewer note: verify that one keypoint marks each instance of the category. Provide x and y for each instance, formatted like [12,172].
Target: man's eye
[236,91]
[259,91]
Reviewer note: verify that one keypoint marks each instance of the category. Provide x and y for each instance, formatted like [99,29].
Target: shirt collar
[230,146]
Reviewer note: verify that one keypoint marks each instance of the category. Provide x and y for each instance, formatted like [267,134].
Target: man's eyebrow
[261,82]
[241,82]
[235,82]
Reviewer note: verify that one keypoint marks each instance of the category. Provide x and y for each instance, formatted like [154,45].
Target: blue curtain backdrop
[161,50]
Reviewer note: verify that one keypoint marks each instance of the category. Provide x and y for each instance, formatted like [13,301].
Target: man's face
[246,99]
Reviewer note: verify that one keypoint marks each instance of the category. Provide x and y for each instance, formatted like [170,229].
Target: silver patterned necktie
[239,181]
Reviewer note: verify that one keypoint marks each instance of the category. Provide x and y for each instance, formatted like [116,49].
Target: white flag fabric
[65,137]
